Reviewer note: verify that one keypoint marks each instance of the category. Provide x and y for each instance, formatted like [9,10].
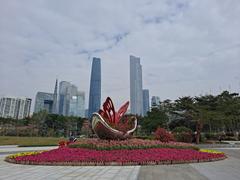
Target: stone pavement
[24,172]
[228,169]
[14,149]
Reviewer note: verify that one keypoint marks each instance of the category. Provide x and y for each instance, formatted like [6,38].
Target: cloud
[186,46]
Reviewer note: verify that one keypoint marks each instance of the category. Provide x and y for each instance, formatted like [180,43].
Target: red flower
[163,135]
[138,156]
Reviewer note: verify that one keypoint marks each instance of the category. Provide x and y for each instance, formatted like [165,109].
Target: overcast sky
[187,47]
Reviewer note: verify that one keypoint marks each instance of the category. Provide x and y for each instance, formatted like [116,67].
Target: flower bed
[81,156]
[211,151]
[128,144]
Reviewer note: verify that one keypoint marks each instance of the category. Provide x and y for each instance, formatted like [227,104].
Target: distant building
[155,102]
[71,101]
[95,87]
[136,93]
[66,91]
[14,107]
[146,107]
[77,105]
[86,113]
[55,99]
[43,101]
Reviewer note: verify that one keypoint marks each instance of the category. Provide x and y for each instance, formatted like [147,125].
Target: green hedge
[90,146]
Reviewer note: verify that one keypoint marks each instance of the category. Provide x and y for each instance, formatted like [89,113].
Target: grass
[29,141]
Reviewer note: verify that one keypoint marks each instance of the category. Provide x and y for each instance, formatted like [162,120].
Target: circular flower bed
[118,153]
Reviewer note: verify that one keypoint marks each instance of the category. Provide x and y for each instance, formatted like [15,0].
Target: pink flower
[137,156]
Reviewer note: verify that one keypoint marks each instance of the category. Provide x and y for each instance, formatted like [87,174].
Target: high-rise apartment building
[155,102]
[136,93]
[77,105]
[95,87]
[146,107]
[14,107]
[43,101]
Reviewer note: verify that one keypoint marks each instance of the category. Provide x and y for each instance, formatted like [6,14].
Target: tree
[38,121]
[154,119]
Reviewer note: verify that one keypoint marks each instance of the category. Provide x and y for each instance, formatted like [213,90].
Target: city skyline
[187,47]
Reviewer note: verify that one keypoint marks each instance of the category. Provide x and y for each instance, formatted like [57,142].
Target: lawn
[29,141]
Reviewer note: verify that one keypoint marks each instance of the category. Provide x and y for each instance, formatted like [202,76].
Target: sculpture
[109,124]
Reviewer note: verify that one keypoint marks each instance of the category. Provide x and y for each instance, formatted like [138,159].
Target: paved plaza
[221,170]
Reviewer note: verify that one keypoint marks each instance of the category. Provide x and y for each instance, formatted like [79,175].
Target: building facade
[95,87]
[155,102]
[77,105]
[66,91]
[146,107]
[13,107]
[43,101]
[55,99]
[136,92]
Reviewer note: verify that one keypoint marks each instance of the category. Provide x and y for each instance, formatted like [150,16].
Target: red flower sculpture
[109,124]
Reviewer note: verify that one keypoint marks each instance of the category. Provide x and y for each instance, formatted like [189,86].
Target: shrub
[97,144]
[183,137]
[203,138]
[163,135]
[183,134]
[144,137]
[231,134]
[229,138]
[212,136]
[181,129]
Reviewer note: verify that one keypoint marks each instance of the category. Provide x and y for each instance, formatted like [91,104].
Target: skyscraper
[14,107]
[155,102]
[77,105]
[43,101]
[55,99]
[66,92]
[63,86]
[136,93]
[95,87]
[145,101]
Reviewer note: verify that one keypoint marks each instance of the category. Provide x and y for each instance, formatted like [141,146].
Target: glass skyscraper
[77,105]
[155,102]
[146,107]
[55,97]
[136,93]
[43,101]
[66,92]
[95,87]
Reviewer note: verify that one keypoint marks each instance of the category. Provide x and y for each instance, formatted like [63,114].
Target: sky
[187,47]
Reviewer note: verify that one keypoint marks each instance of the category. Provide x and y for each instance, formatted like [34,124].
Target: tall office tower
[155,102]
[77,105]
[55,99]
[44,101]
[13,107]
[146,107]
[95,87]
[63,85]
[66,91]
[136,93]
